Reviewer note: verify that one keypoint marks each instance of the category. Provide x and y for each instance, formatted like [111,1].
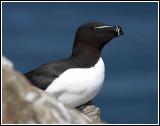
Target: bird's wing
[45,74]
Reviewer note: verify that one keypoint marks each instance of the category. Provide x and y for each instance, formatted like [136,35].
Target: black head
[95,36]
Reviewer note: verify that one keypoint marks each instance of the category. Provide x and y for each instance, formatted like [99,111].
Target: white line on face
[102,27]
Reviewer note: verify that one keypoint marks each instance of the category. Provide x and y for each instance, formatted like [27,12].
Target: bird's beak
[118,29]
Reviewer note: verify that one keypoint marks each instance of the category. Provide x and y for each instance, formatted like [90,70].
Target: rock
[24,103]
[6,62]
[91,112]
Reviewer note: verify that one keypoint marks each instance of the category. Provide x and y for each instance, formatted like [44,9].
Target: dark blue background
[35,33]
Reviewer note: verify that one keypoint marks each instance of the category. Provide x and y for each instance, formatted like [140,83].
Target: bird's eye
[91,28]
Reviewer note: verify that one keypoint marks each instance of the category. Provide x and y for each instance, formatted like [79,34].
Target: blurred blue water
[35,33]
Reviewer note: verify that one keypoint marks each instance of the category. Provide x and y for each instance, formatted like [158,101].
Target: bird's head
[96,35]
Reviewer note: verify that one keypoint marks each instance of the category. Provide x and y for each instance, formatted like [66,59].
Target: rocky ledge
[23,103]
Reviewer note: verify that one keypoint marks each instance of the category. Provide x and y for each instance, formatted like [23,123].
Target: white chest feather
[77,86]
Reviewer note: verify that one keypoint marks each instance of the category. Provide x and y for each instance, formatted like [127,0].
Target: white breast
[77,86]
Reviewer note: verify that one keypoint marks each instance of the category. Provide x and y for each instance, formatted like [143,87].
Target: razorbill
[77,79]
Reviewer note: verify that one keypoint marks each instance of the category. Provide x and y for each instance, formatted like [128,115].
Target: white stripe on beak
[118,30]
[102,27]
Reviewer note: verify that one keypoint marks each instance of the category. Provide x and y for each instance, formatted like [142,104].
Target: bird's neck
[85,53]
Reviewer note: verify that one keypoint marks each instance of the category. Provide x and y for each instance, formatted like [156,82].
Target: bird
[77,79]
